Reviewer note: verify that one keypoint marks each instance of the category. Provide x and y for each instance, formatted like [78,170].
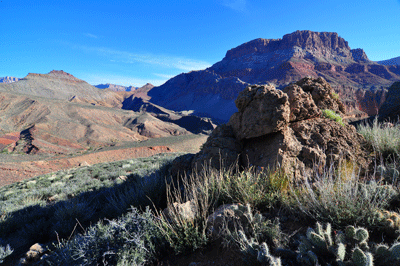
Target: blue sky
[135,42]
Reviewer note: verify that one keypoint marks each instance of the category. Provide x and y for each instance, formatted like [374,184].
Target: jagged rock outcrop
[211,92]
[298,140]
[390,110]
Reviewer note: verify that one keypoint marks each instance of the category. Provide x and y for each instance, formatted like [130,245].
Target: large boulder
[390,109]
[285,129]
[279,149]
[221,149]
[262,110]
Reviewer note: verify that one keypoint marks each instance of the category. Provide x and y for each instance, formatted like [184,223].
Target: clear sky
[135,42]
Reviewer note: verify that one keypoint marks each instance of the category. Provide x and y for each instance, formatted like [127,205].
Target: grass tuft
[384,139]
[333,116]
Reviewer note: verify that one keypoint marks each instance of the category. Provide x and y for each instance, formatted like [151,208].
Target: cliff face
[282,61]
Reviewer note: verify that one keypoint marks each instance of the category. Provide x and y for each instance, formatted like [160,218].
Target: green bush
[333,116]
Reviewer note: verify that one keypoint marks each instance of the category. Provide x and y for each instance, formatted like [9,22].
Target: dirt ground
[17,167]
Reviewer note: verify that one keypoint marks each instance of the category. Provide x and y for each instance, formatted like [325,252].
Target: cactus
[361,234]
[362,259]
[388,221]
[319,245]
[253,249]
[388,256]
[265,258]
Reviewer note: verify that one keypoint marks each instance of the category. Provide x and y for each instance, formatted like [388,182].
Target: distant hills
[114,87]
[56,85]
[8,79]
[211,92]
[61,114]
[392,61]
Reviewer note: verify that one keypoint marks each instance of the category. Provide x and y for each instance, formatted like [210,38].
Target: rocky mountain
[389,62]
[114,87]
[8,79]
[61,114]
[211,92]
[57,84]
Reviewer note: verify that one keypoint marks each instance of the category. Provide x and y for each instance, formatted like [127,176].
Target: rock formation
[284,128]
[8,79]
[211,92]
[390,110]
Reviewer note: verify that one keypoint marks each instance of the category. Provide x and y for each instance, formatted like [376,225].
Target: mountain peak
[59,73]
[297,44]
[211,92]
[307,38]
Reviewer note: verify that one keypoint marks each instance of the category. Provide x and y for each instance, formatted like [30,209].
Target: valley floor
[17,167]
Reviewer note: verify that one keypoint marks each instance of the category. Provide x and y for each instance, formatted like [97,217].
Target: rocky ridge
[278,61]
[114,87]
[57,84]
[390,62]
[284,128]
[8,79]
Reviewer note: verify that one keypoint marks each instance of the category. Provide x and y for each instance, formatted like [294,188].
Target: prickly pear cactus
[323,247]
[361,258]
[388,255]
[253,249]
[388,221]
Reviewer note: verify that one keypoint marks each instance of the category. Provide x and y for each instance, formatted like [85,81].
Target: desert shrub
[335,95]
[132,239]
[5,252]
[210,188]
[187,232]
[262,189]
[385,140]
[26,217]
[341,200]
[333,116]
